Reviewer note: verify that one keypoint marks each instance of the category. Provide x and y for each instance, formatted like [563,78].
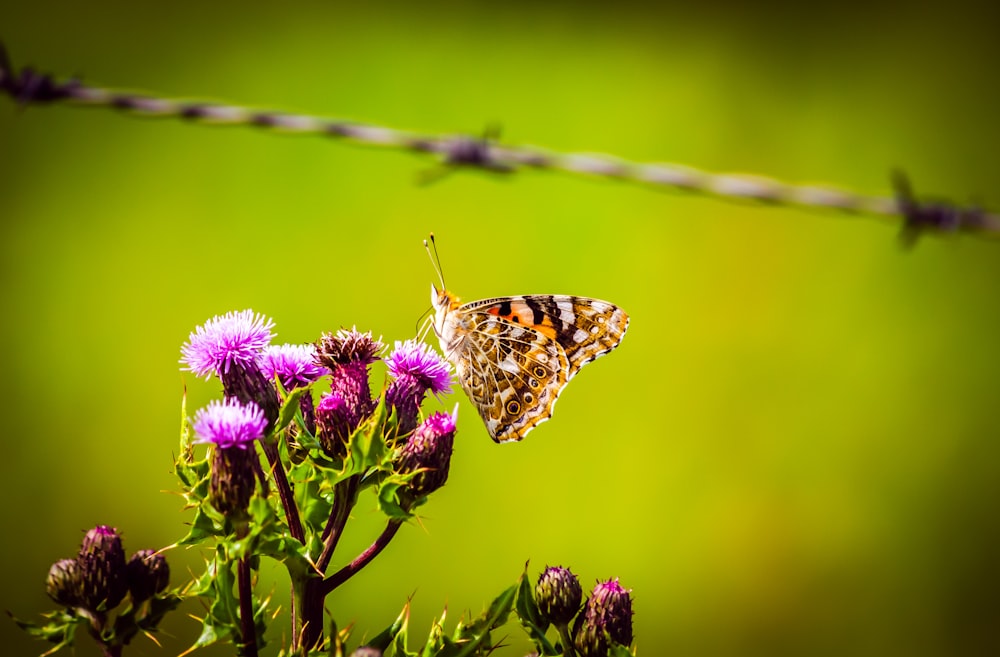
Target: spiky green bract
[606,620]
[65,582]
[222,618]
[102,569]
[558,594]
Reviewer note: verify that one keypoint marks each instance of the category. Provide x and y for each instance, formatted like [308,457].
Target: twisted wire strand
[465,151]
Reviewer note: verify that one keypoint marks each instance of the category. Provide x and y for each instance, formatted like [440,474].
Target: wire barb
[487,154]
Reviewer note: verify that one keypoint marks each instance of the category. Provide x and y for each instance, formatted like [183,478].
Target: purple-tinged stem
[284,491]
[248,631]
[363,559]
[343,502]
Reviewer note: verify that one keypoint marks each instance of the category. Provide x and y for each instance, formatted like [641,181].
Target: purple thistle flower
[229,424]
[428,453]
[415,368]
[606,614]
[235,338]
[294,364]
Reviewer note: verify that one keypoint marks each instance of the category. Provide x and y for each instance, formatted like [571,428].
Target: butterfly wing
[518,353]
[585,328]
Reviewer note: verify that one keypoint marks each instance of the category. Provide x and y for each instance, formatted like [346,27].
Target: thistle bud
[102,569]
[64,583]
[428,453]
[366,651]
[148,574]
[334,424]
[558,595]
[233,482]
[607,614]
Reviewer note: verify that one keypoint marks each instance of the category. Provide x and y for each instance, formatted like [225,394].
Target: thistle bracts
[558,595]
[427,454]
[102,569]
[606,618]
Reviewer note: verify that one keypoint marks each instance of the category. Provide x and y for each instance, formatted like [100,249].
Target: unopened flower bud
[607,613]
[558,595]
[148,574]
[334,424]
[64,583]
[428,453]
[102,569]
[347,354]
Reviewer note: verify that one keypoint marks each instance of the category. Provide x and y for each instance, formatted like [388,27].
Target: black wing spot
[513,407]
[504,308]
[539,371]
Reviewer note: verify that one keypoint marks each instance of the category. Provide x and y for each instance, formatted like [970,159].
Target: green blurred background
[792,453]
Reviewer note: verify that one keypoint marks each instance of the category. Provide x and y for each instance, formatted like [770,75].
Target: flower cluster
[99,578]
[606,615]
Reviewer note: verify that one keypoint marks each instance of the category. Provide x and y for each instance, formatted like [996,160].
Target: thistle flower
[102,569]
[428,453]
[148,574]
[334,422]
[232,428]
[230,347]
[64,583]
[347,354]
[235,338]
[229,424]
[294,364]
[558,594]
[415,368]
[607,614]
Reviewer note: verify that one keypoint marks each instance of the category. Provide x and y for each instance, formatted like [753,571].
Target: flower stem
[248,630]
[284,490]
[363,559]
[567,641]
[345,495]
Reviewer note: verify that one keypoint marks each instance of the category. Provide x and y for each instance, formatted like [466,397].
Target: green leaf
[389,498]
[60,628]
[290,408]
[435,638]
[384,639]
[531,618]
[477,633]
[618,650]
[203,527]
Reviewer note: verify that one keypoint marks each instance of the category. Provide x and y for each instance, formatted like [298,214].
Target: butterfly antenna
[423,323]
[435,260]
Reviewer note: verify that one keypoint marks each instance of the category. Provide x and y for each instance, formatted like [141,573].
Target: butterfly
[514,355]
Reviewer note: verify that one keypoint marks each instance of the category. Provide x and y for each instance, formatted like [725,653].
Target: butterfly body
[514,355]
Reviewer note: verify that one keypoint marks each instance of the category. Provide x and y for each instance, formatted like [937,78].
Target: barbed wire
[464,151]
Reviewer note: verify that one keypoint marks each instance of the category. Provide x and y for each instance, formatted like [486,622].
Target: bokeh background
[792,453]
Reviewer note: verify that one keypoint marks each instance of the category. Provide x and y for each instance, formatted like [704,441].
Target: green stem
[567,641]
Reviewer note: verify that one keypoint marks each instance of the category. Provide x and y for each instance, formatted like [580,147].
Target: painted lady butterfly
[514,355]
